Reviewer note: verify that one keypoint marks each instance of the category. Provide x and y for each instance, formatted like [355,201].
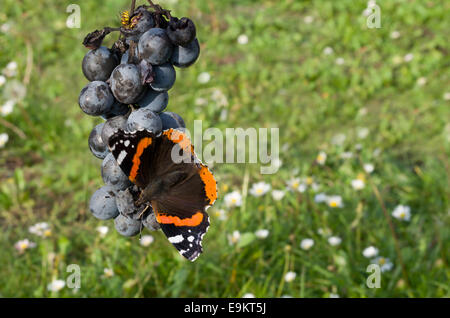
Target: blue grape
[126,83]
[171,120]
[165,77]
[155,46]
[98,64]
[149,221]
[111,126]
[145,22]
[125,202]
[96,144]
[113,175]
[181,31]
[185,56]
[127,226]
[96,98]
[144,118]
[117,109]
[126,55]
[155,101]
[103,203]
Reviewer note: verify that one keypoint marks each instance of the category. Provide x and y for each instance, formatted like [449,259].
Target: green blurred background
[313,68]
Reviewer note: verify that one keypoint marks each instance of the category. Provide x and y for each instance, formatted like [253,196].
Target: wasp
[127,21]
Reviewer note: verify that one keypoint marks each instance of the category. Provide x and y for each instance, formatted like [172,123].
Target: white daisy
[219,97]
[262,234]
[204,78]
[384,263]
[242,39]
[308,19]
[200,101]
[340,61]
[334,240]
[334,201]
[10,69]
[293,183]
[23,245]
[146,240]
[7,108]
[234,238]
[233,199]
[321,158]
[289,277]
[369,168]
[15,90]
[320,198]
[40,229]
[363,132]
[328,50]
[102,230]
[446,96]
[332,295]
[363,111]
[259,189]
[402,212]
[370,251]
[358,184]
[395,35]
[307,243]
[277,195]
[421,81]
[346,155]
[277,163]
[376,152]
[408,57]
[221,214]
[338,139]
[6,27]
[108,272]
[3,139]
[248,295]
[324,232]
[302,187]
[2,80]
[56,285]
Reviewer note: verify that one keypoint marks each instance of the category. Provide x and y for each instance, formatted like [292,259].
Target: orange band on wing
[143,143]
[179,138]
[210,184]
[195,220]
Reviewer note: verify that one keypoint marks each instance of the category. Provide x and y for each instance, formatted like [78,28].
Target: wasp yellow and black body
[129,22]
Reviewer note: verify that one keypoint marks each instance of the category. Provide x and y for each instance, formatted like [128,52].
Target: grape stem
[133,6]
[160,10]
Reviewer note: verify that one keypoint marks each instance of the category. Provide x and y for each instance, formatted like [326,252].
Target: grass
[281,78]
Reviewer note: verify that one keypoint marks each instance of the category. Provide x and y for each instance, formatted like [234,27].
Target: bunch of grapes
[128,88]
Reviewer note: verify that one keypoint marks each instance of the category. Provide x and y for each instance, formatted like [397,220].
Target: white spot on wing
[127,143]
[191,238]
[176,239]
[122,156]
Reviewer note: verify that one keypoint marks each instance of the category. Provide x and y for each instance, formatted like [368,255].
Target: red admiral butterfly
[179,193]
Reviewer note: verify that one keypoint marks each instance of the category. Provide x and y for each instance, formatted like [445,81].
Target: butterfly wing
[181,210]
[131,150]
[190,188]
